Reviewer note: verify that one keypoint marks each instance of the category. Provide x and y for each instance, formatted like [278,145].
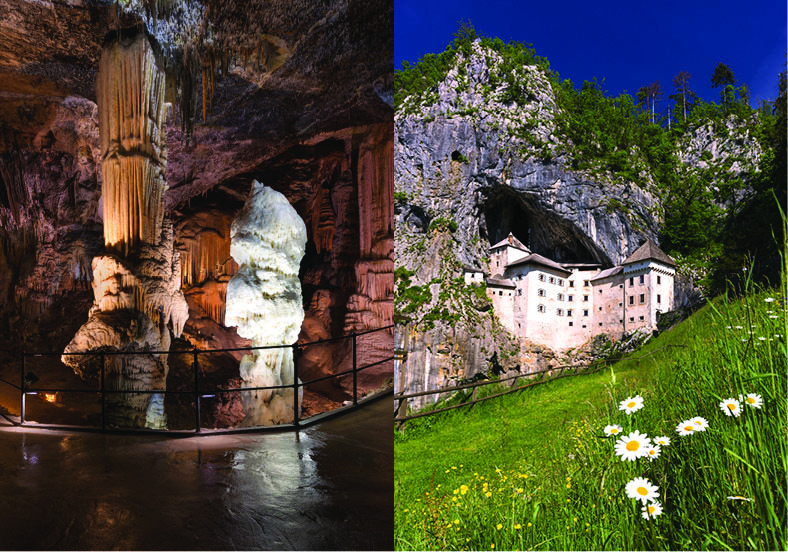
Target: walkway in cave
[325,487]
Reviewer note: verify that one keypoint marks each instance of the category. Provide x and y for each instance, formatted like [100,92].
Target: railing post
[296,352]
[355,373]
[103,397]
[196,367]
[22,387]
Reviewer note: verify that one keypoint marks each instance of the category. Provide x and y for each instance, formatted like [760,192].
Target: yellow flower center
[614,431]
[642,491]
[731,406]
[631,404]
[651,509]
[751,400]
[633,445]
[652,452]
[688,428]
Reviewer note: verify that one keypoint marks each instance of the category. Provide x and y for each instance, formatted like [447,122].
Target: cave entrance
[545,233]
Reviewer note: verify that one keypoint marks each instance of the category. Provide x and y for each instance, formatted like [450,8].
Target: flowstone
[268,238]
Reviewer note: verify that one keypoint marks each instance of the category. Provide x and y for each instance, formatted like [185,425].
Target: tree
[681,83]
[722,77]
[653,92]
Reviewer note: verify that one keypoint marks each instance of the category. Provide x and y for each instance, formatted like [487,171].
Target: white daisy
[739,328]
[640,489]
[651,510]
[700,423]
[731,407]
[614,429]
[686,428]
[631,404]
[752,400]
[633,446]
[662,441]
[653,452]
[769,300]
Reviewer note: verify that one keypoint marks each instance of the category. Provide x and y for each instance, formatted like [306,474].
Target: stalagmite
[264,299]
[137,283]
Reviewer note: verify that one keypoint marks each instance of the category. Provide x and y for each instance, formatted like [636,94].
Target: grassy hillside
[535,469]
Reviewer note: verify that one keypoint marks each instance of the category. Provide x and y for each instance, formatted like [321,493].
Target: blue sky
[629,44]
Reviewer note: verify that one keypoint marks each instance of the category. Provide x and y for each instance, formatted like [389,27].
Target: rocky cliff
[478,156]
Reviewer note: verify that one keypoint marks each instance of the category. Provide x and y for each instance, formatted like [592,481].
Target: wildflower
[456,491]
[614,429]
[653,452]
[631,404]
[662,441]
[738,498]
[456,522]
[739,328]
[633,446]
[752,399]
[640,489]
[651,510]
[529,524]
[731,407]
[499,526]
[761,339]
[488,494]
[463,489]
[769,300]
[700,423]
[686,428]
[517,526]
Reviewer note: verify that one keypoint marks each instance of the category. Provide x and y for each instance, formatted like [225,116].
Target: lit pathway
[328,487]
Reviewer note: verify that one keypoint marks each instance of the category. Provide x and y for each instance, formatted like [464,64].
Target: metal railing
[25,386]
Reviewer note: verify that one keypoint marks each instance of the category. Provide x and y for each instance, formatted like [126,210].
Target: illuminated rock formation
[264,299]
[136,285]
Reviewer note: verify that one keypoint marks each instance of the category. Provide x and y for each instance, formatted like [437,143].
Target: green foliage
[401,197]
[442,224]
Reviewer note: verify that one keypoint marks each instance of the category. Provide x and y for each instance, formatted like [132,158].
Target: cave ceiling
[296,70]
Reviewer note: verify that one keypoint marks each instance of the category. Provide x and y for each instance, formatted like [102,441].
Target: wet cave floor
[327,487]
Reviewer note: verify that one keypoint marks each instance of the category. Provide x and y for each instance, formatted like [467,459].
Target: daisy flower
[653,452]
[731,407]
[614,429]
[631,404]
[686,428]
[640,489]
[700,423]
[651,510]
[753,400]
[662,441]
[769,300]
[633,446]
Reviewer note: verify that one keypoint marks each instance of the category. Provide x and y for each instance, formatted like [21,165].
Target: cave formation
[542,231]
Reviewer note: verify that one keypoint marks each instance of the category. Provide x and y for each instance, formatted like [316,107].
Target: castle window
[620,304]
[584,325]
[586,283]
[600,323]
[571,323]
[631,318]
[620,320]
[571,283]
[642,298]
[541,277]
[552,280]
[569,312]
[500,293]
[519,292]
[642,279]
[659,279]
[571,298]
[641,318]
[540,308]
[631,299]
[560,296]
[600,292]
[620,286]
[560,312]
[541,293]
[631,282]
[659,298]
[585,297]
[600,309]
[560,282]
[585,313]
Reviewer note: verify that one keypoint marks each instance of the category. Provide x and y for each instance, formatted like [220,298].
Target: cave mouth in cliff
[547,234]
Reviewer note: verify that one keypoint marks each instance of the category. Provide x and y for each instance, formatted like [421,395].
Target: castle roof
[535,258]
[466,268]
[511,241]
[608,272]
[500,282]
[649,250]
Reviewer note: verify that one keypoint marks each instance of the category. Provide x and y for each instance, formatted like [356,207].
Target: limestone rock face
[264,299]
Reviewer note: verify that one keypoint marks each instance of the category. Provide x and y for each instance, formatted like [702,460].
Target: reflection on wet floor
[327,487]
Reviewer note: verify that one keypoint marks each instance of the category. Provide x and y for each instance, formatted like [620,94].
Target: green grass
[540,456]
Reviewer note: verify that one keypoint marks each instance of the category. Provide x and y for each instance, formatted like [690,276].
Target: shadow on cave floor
[326,487]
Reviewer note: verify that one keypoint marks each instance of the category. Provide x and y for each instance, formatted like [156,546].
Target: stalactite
[130,93]
[323,221]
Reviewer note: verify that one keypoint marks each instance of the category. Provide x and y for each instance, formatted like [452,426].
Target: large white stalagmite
[264,299]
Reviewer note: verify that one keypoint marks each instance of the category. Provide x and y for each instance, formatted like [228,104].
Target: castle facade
[563,305]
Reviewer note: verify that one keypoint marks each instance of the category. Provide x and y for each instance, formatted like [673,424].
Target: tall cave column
[264,299]
[136,284]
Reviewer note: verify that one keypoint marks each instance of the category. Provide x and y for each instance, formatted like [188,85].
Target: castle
[563,305]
